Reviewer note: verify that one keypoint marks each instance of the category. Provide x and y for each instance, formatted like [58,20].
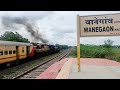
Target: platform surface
[90,68]
[95,72]
[53,70]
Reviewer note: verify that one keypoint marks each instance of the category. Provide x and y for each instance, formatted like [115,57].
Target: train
[17,51]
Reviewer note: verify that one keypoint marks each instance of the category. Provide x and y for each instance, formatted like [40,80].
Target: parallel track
[32,73]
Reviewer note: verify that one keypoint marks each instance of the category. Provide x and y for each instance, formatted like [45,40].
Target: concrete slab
[95,72]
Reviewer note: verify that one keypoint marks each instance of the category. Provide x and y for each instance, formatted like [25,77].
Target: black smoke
[10,22]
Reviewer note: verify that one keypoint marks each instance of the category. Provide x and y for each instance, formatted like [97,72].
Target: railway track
[32,73]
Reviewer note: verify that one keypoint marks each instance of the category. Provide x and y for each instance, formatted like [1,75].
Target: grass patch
[93,51]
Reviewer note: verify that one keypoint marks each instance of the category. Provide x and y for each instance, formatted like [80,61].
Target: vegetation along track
[38,69]
[43,63]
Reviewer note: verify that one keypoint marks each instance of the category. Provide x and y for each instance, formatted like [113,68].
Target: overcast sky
[58,26]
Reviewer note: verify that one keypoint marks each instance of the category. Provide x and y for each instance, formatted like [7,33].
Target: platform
[91,68]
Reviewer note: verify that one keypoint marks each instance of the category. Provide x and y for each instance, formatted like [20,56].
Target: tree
[62,46]
[108,48]
[108,43]
[10,36]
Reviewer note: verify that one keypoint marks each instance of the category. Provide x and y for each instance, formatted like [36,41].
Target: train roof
[11,43]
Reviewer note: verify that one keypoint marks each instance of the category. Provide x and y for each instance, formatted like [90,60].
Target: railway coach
[15,51]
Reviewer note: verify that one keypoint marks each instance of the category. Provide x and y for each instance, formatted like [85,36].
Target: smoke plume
[10,22]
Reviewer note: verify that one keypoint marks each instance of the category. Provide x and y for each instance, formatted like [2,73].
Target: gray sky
[58,26]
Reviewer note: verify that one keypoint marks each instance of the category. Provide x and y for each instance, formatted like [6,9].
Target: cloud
[100,40]
[61,26]
[34,15]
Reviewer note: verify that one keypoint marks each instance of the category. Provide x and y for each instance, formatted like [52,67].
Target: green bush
[98,51]
[93,51]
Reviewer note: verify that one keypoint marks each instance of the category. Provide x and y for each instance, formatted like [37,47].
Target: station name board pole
[78,42]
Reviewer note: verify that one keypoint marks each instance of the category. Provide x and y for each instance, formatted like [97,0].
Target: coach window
[10,52]
[6,53]
[14,52]
[1,53]
[22,49]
